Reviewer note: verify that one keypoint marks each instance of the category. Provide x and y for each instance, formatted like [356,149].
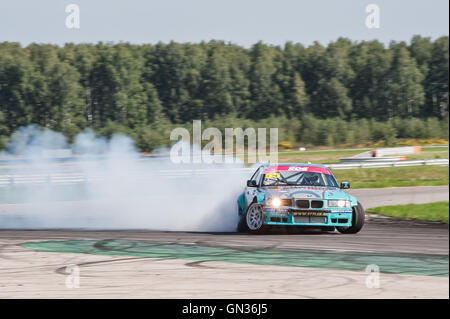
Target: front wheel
[253,220]
[358,218]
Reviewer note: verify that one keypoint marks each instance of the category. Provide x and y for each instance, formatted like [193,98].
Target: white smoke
[118,188]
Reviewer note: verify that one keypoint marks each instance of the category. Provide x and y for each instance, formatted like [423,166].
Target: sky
[242,22]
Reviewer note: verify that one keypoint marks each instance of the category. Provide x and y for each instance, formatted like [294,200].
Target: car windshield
[298,179]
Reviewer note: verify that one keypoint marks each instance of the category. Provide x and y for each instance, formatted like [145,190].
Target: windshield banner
[291,168]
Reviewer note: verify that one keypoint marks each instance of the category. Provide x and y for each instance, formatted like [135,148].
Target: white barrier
[397,151]
[437,162]
[70,178]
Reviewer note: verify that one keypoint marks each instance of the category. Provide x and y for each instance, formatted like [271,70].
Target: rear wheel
[358,218]
[253,220]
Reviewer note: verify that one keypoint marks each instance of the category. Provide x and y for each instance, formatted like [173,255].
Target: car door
[250,191]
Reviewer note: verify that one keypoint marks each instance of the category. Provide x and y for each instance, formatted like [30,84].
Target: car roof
[295,164]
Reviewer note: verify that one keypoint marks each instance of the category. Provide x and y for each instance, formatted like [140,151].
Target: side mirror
[345,185]
[251,183]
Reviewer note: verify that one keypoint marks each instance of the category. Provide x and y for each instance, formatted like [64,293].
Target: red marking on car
[290,168]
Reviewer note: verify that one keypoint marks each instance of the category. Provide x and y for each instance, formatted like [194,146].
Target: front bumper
[297,217]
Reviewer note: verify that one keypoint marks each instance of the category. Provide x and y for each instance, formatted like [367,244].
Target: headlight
[339,203]
[274,202]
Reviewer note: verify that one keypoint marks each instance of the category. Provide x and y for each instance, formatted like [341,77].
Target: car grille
[316,204]
[301,203]
[304,203]
[310,220]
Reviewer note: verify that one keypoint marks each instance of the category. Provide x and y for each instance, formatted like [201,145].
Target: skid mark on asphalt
[412,264]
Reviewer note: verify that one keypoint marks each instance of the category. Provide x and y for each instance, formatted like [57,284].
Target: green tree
[437,79]
[295,98]
[266,96]
[368,90]
[406,94]
[16,71]
[216,83]
[117,91]
[334,100]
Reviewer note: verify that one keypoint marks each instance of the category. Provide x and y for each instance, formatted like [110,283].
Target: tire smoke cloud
[118,187]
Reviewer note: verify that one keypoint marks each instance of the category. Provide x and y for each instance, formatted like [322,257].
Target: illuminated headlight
[339,203]
[274,202]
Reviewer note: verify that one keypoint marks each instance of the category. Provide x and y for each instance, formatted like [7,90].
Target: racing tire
[253,220]
[358,218]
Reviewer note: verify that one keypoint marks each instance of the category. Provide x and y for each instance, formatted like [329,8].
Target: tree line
[144,90]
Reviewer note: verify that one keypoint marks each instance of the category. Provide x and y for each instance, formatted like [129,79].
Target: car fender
[339,194]
[260,198]
[353,200]
[242,202]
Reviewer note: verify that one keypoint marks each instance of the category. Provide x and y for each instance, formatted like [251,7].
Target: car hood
[305,192]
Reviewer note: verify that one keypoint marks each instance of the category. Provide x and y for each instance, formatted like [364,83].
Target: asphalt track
[411,256]
[400,195]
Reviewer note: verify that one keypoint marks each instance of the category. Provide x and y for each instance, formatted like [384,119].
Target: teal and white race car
[303,195]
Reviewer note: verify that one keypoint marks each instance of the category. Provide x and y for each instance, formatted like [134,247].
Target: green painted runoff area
[408,264]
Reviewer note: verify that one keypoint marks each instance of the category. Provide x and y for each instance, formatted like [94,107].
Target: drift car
[298,195]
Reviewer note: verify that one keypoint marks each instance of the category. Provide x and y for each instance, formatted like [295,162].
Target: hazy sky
[239,21]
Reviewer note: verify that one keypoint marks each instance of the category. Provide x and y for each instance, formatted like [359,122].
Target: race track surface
[412,258]
[371,197]
[389,258]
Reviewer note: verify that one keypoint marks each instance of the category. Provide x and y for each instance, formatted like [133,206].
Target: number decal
[272,175]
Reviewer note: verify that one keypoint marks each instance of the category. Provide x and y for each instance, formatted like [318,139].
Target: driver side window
[257,176]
